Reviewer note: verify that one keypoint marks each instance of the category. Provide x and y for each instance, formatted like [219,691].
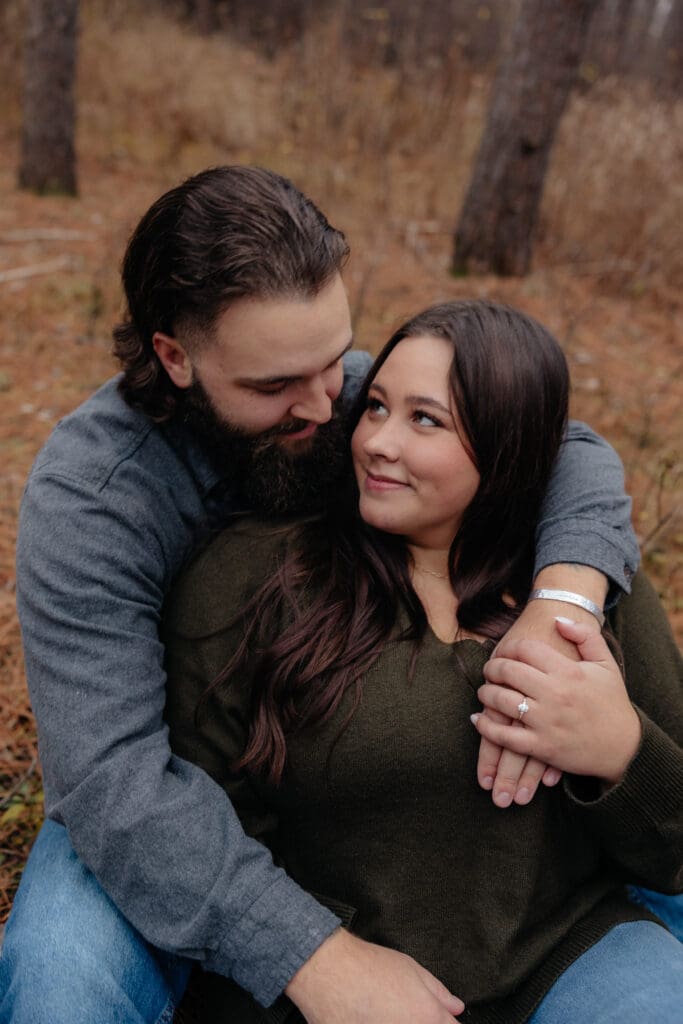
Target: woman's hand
[579,716]
[512,776]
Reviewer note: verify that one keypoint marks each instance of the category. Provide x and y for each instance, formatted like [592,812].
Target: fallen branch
[46,235]
[19,783]
[19,273]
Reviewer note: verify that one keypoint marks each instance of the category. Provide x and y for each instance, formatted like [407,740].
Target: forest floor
[59,298]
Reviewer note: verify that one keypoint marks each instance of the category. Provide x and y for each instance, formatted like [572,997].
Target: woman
[329,680]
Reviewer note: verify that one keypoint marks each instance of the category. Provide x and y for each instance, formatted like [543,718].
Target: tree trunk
[501,207]
[48,159]
[609,30]
[205,17]
[671,73]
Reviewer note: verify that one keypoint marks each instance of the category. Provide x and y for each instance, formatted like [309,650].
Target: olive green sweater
[387,825]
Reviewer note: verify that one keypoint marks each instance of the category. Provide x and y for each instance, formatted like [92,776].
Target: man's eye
[270,389]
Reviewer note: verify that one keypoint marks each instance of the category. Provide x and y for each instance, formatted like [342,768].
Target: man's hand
[511,776]
[348,981]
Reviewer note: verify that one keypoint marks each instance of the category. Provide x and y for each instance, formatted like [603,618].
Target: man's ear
[173,358]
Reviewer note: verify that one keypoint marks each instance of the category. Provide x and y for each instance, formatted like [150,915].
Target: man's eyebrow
[416,399]
[251,382]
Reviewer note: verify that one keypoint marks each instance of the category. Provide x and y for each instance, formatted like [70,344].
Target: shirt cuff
[278,934]
[587,543]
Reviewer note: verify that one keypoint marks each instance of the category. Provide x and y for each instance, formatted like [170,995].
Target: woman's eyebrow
[426,400]
[415,399]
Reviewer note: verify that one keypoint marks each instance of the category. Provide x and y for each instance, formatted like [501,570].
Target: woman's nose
[382,441]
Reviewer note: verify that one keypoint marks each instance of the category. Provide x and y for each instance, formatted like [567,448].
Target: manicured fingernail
[567,622]
[474,719]
[502,799]
[487,782]
[523,796]
[552,777]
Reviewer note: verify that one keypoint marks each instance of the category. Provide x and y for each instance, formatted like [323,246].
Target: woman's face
[414,475]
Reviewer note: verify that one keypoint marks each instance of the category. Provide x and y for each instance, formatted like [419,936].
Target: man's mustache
[291,427]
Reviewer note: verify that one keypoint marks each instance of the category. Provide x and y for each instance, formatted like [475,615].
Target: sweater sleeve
[586,514]
[639,822]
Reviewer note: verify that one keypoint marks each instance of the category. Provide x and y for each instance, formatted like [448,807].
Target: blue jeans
[632,976]
[69,957]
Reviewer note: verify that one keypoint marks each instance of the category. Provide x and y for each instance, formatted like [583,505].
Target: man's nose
[314,400]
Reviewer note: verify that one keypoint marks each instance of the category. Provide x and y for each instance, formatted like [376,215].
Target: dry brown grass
[386,151]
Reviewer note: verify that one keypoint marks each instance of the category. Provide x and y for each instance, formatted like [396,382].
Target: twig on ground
[19,783]
[45,235]
[19,273]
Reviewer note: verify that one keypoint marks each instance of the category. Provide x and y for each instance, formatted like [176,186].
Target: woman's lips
[382,483]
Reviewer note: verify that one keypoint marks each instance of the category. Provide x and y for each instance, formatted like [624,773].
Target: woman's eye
[424,419]
[373,405]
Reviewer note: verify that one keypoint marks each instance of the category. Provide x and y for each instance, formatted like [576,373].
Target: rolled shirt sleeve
[586,514]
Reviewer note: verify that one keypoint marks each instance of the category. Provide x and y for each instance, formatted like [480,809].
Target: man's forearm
[585,518]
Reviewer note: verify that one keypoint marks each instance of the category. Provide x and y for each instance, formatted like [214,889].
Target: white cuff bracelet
[569,598]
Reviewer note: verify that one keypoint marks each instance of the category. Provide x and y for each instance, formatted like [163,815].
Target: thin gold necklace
[431,572]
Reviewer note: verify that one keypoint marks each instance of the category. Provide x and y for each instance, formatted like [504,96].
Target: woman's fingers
[530,676]
[507,701]
[518,676]
[589,640]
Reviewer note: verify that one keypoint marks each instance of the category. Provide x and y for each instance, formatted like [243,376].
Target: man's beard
[267,475]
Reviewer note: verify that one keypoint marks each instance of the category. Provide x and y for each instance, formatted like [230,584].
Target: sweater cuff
[278,934]
[648,795]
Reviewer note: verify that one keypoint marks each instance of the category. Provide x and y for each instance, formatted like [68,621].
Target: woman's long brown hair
[314,628]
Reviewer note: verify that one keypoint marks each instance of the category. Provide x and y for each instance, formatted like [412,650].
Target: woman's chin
[380,520]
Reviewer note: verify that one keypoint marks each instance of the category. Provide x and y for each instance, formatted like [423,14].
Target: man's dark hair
[224,234]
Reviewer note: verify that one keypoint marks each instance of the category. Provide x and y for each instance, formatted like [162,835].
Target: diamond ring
[522,707]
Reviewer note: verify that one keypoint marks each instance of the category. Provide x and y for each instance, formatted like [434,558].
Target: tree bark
[672,46]
[48,157]
[500,212]
[205,17]
[609,30]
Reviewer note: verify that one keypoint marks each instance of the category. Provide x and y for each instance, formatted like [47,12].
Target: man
[235,356]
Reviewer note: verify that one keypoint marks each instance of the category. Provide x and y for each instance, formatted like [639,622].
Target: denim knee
[70,957]
[633,974]
[668,908]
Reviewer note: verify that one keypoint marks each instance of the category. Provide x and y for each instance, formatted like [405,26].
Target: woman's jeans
[69,957]
[634,975]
